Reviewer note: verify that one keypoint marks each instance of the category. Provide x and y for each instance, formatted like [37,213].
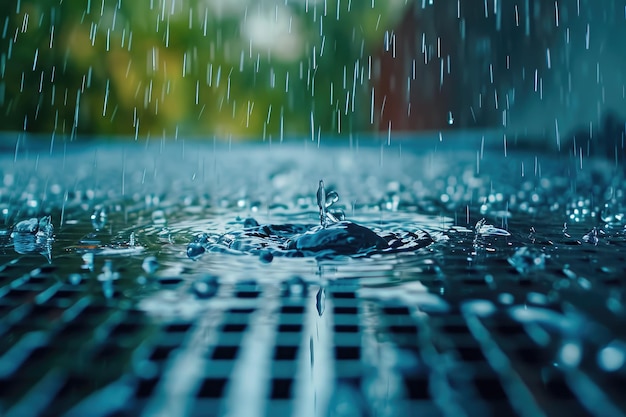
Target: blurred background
[275,68]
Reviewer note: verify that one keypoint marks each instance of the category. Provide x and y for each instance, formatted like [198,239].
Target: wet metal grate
[530,323]
[324,347]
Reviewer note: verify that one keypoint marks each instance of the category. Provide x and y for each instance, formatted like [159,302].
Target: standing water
[318,270]
[174,280]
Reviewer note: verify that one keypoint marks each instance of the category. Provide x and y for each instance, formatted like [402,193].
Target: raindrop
[571,354]
[99,218]
[108,274]
[75,279]
[591,237]
[198,246]
[158,217]
[266,256]
[612,357]
[295,286]
[526,260]
[150,265]
[205,287]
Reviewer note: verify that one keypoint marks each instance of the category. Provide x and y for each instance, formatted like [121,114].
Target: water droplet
[526,260]
[331,198]
[158,218]
[250,223]
[198,246]
[34,236]
[88,259]
[107,289]
[99,218]
[570,354]
[266,256]
[108,274]
[591,237]
[295,286]
[75,279]
[506,298]
[150,265]
[195,249]
[612,357]
[565,230]
[205,287]
[481,308]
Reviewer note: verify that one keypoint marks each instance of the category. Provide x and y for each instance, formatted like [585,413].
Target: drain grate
[459,328]
[490,363]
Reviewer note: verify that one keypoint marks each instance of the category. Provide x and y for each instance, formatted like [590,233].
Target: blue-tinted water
[170,230]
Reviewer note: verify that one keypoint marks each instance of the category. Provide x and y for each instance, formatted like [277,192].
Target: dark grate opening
[145,387]
[490,389]
[234,327]
[347,328]
[225,352]
[346,310]
[212,388]
[292,309]
[347,352]
[289,328]
[417,388]
[282,353]
[281,388]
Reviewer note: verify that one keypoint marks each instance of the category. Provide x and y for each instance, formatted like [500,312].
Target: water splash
[34,236]
[526,260]
[592,237]
[324,202]
[333,237]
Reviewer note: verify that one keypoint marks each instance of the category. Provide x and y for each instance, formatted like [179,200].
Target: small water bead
[158,218]
[481,308]
[526,260]
[592,237]
[33,225]
[266,256]
[249,223]
[99,218]
[205,287]
[108,273]
[88,261]
[506,298]
[34,236]
[571,353]
[107,289]
[612,357]
[150,265]
[198,246]
[195,249]
[331,198]
[75,279]
[325,201]
[295,286]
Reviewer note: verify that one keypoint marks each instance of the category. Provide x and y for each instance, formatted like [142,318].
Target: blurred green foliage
[167,67]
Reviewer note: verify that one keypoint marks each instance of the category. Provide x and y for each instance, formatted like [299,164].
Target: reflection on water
[212,260]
